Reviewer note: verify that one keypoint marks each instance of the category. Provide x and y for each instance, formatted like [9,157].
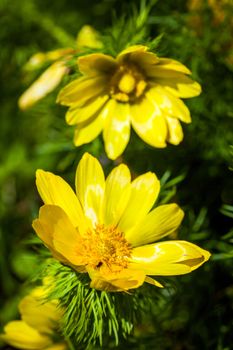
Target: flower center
[128,83]
[106,248]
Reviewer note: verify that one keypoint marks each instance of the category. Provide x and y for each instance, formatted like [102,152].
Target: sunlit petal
[169,104]
[46,83]
[117,128]
[54,190]
[160,222]
[144,191]
[38,314]
[90,186]
[175,132]
[117,192]
[81,90]
[20,335]
[180,86]
[76,115]
[149,123]
[87,132]
[168,258]
[122,281]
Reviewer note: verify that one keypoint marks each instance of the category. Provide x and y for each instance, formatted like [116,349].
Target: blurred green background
[194,312]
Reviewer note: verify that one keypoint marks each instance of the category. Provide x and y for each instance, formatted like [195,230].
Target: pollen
[106,248]
[128,83]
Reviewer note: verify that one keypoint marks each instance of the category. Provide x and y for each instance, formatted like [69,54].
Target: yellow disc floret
[127,83]
[106,248]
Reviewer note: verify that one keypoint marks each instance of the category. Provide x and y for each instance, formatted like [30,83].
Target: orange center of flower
[106,248]
[128,83]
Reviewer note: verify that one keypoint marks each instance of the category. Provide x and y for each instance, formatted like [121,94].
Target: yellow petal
[170,64]
[175,132]
[180,86]
[43,230]
[96,64]
[118,282]
[116,132]
[88,37]
[46,83]
[22,336]
[90,186]
[168,258]
[76,115]
[79,91]
[87,132]
[38,59]
[116,196]
[59,53]
[160,222]
[54,190]
[65,238]
[40,315]
[169,104]
[51,220]
[144,192]
[153,282]
[149,123]
[165,71]
[145,60]
[126,54]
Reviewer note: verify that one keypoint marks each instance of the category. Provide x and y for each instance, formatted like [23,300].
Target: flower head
[52,76]
[38,325]
[136,88]
[107,229]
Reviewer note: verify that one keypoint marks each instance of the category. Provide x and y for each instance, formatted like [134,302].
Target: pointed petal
[22,336]
[118,282]
[125,55]
[76,115]
[88,37]
[175,132]
[87,132]
[90,186]
[168,258]
[96,64]
[46,83]
[165,71]
[144,192]
[51,220]
[54,190]
[65,238]
[116,196]
[80,90]
[144,59]
[168,64]
[149,123]
[169,104]
[116,132]
[160,222]
[179,85]
[153,282]
[45,233]
[40,315]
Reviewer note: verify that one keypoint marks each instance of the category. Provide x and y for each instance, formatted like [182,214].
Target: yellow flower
[136,88]
[107,229]
[52,76]
[38,325]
